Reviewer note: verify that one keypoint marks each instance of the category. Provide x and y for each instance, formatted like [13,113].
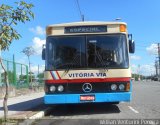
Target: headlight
[121,87]
[113,87]
[52,88]
[60,88]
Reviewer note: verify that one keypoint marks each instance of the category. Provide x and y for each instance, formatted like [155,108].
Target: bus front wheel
[114,103]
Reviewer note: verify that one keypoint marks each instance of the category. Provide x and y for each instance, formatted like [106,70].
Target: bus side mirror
[43,52]
[131,46]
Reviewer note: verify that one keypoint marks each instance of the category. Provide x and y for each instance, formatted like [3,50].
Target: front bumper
[75,98]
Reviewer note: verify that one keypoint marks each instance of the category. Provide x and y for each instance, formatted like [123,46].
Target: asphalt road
[144,105]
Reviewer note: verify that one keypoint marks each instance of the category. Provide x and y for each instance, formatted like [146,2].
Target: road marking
[131,108]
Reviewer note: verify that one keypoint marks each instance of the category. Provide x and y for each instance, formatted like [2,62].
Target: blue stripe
[53,74]
[75,98]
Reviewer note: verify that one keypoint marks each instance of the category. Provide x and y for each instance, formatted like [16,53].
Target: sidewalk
[22,104]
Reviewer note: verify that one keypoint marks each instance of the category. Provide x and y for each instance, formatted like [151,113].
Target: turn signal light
[128,87]
[49,30]
[122,28]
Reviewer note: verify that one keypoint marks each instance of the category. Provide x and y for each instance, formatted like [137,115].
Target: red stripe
[126,79]
[58,75]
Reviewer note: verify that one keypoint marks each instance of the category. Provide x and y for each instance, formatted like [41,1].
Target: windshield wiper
[101,60]
[75,63]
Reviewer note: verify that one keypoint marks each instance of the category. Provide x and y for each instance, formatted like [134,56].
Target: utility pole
[159,59]
[82,18]
[80,12]
[14,71]
[156,67]
[139,76]
[0,67]
[38,69]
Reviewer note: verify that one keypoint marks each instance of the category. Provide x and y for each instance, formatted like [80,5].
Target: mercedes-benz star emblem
[87,87]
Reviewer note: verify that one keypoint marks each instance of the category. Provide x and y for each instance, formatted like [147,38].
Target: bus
[87,62]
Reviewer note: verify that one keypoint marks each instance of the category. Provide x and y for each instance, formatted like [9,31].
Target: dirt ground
[21,91]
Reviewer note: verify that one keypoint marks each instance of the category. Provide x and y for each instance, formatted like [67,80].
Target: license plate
[87,98]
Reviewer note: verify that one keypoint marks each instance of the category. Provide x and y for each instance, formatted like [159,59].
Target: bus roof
[86,27]
[85,23]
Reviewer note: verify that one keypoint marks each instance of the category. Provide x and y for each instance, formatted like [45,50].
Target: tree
[31,76]
[9,18]
[28,51]
[40,77]
[24,77]
[10,77]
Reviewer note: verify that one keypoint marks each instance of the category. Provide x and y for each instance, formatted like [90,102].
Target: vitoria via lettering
[74,75]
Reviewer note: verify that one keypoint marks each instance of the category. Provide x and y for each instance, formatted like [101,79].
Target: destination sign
[85,29]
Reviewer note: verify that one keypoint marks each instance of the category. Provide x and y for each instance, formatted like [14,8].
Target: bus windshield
[86,51]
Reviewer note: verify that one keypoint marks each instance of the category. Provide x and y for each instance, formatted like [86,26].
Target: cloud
[37,45]
[23,60]
[34,69]
[38,30]
[146,69]
[152,49]
[134,57]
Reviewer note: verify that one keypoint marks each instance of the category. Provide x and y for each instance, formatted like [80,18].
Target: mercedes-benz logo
[87,87]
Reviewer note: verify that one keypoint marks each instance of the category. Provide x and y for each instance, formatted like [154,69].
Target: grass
[9,121]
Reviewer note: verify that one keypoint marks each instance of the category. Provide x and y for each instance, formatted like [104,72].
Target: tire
[115,103]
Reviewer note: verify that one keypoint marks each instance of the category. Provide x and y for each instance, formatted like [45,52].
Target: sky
[141,16]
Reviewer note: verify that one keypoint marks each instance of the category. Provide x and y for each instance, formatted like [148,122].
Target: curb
[38,115]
